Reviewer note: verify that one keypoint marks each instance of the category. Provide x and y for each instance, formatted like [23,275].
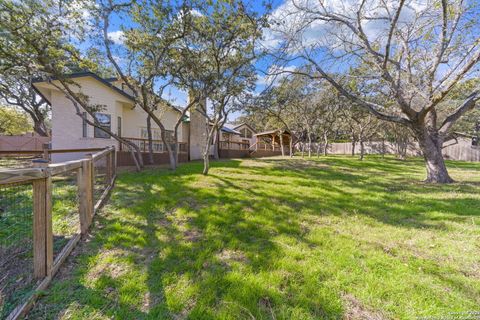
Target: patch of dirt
[184,314]
[192,235]
[192,203]
[299,165]
[16,276]
[113,270]
[228,256]
[355,310]
[149,301]
[265,304]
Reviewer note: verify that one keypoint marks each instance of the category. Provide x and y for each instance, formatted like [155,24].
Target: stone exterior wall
[198,131]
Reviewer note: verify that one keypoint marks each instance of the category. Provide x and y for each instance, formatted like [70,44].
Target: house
[244,133]
[117,113]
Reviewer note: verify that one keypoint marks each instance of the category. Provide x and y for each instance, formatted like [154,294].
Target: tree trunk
[171,157]
[354,143]
[216,144]
[325,144]
[362,148]
[401,146]
[40,128]
[171,153]
[291,146]
[309,146]
[281,145]
[176,145]
[383,148]
[435,164]
[206,164]
[150,142]
[206,152]
[318,149]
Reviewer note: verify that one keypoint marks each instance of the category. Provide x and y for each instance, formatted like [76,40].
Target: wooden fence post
[108,161]
[46,155]
[42,224]
[85,193]
[114,161]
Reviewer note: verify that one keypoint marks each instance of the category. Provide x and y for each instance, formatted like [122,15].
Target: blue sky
[318,34]
[173,94]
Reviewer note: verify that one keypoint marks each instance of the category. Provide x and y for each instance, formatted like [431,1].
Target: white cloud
[289,19]
[274,74]
[196,13]
[117,37]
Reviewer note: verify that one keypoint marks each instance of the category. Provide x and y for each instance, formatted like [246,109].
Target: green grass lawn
[278,239]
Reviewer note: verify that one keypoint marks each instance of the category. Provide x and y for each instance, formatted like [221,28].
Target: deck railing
[265,146]
[44,211]
[157,145]
[233,145]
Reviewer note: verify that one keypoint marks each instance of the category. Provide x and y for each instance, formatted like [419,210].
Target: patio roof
[270,132]
[228,130]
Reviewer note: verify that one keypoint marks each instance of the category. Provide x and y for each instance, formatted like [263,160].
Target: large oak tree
[417,52]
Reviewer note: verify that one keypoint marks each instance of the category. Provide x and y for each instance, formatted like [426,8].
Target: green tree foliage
[13,122]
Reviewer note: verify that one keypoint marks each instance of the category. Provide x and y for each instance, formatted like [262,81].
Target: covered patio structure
[273,142]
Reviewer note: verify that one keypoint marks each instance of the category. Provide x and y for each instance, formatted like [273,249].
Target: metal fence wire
[16,245]
[16,162]
[49,197]
[65,208]
[100,177]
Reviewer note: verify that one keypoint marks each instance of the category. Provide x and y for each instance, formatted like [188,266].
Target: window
[84,125]
[119,126]
[156,134]
[246,133]
[105,122]
[169,135]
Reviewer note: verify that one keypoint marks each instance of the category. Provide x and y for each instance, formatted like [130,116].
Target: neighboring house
[117,113]
[244,133]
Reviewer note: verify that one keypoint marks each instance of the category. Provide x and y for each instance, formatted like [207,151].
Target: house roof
[271,132]
[236,126]
[107,82]
[229,130]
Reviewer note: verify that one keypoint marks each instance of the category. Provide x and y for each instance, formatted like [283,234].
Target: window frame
[119,126]
[246,133]
[84,125]
[99,134]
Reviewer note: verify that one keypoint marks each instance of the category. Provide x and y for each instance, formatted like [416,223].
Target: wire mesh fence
[16,245]
[65,208]
[43,211]
[16,162]
[101,178]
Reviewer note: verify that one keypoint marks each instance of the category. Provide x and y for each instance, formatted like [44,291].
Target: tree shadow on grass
[179,245]
[398,197]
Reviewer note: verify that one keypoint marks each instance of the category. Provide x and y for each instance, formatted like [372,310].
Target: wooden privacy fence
[24,142]
[44,211]
[458,151]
